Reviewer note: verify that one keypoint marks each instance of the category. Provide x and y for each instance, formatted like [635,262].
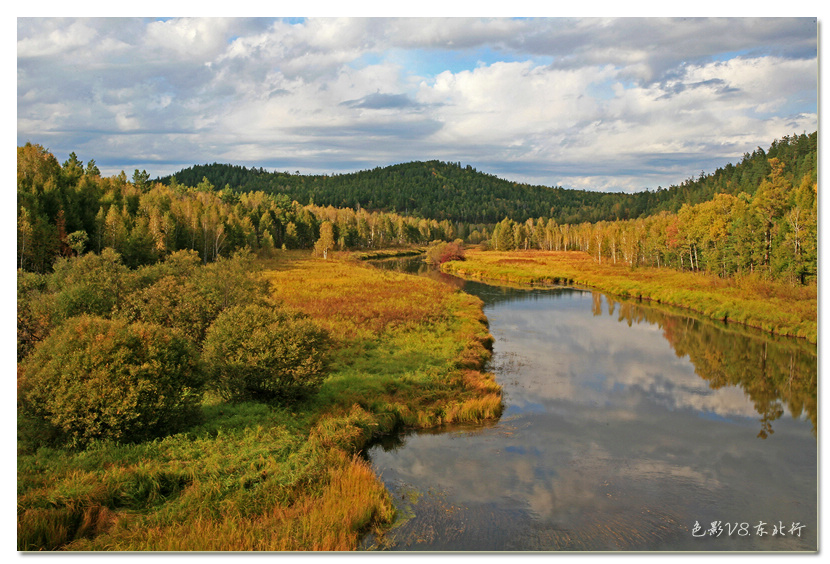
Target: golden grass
[773,307]
[352,499]
[352,299]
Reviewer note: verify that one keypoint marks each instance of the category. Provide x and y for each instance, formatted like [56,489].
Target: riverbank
[385,253]
[407,352]
[776,308]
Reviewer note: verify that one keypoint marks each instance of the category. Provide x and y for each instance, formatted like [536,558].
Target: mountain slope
[440,190]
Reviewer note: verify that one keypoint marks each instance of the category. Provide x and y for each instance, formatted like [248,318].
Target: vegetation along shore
[778,308]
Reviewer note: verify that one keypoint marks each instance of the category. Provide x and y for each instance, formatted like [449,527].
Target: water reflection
[774,373]
[416,265]
[624,425]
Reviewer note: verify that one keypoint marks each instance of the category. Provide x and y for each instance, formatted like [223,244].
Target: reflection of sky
[606,427]
[589,360]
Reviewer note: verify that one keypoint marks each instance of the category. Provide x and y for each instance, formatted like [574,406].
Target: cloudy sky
[603,104]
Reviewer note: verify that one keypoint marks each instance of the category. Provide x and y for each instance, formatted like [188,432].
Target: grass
[413,352]
[777,308]
[409,352]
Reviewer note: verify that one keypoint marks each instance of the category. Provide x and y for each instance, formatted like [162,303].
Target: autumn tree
[769,203]
[89,284]
[326,242]
[504,236]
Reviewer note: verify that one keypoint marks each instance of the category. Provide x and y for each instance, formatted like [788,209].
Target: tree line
[69,210]
[772,231]
[757,216]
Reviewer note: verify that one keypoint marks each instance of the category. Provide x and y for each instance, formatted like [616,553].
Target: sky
[591,103]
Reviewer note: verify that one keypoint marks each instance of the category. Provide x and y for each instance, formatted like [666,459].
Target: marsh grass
[409,352]
[777,308]
[354,300]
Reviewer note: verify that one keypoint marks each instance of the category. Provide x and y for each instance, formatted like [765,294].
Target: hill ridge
[440,190]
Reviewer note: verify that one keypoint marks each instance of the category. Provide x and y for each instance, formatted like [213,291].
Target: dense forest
[439,190]
[757,216]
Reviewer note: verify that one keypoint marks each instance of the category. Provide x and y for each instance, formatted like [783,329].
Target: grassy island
[405,352]
[776,307]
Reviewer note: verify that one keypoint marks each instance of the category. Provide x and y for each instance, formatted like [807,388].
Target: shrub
[231,281]
[94,378]
[172,302]
[91,284]
[34,311]
[183,295]
[441,252]
[259,352]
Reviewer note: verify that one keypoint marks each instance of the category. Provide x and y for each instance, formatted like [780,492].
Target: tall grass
[409,352]
[346,500]
[773,307]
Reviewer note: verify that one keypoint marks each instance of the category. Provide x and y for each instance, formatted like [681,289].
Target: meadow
[775,307]
[406,352]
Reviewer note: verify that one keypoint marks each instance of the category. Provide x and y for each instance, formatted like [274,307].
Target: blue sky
[598,103]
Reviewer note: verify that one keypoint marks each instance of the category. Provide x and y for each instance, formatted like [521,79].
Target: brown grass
[351,501]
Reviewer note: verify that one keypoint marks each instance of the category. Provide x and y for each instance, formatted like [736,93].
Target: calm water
[624,426]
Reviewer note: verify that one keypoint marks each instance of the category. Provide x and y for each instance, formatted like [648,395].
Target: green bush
[91,284]
[95,378]
[172,302]
[263,353]
[182,294]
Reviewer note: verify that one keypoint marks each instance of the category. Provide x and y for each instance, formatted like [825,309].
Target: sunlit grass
[344,501]
[409,353]
[356,300]
[774,307]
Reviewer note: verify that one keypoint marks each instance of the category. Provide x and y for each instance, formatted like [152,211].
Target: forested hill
[440,190]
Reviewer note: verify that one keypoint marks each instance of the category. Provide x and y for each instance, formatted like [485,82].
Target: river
[626,428]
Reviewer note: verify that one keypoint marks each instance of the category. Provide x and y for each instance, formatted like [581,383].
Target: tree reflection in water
[776,373]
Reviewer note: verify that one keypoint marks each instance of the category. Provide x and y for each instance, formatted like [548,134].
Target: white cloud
[189,39]
[593,103]
[768,83]
[452,33]
[49,38]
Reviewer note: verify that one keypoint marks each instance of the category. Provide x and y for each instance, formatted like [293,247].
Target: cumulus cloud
[620,104]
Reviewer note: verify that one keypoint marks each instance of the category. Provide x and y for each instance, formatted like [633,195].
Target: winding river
[626,427]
